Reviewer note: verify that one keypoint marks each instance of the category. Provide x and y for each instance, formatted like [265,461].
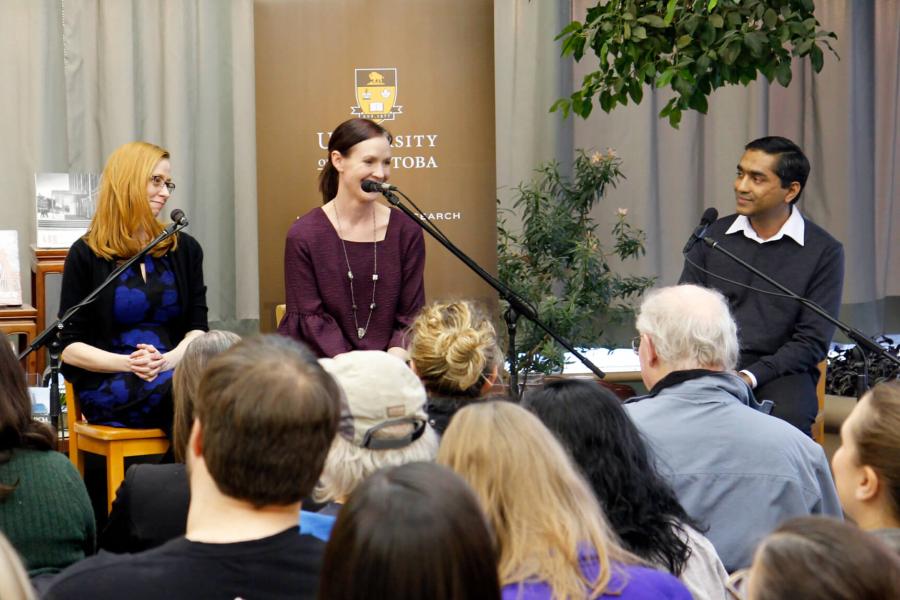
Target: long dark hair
[642,508]
[345,136]
[17,428]
[407,533]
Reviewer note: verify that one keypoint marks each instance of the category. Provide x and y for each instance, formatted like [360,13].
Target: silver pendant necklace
[360,331]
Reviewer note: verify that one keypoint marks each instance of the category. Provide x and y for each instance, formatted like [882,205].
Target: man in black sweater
[781,341]
[265,416]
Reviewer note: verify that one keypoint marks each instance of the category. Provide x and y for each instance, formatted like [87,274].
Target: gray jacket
[735,469]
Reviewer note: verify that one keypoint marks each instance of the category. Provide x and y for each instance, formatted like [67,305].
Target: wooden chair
[114,443]
[818,427]
[279,314]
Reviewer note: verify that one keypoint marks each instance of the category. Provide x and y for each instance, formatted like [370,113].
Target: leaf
[639,32]
[675,117]
[699,103]
[707,35]
[670,11]
[683,41]
[561,104]
[716,21]
[729,53]
[770,18]
[712,4]
[783,73]
[682,86]
[571,27]
[803,48]
[703,63]
[664,79]
[815,56]
[754,41]
[636,91]
[691,24]
[652,21]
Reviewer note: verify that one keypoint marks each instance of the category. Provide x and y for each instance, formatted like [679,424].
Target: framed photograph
[65,204]
[10,281]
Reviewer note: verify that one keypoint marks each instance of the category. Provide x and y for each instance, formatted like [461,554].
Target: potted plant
[557,262]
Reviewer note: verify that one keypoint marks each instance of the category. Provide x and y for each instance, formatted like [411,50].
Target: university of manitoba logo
[376,94]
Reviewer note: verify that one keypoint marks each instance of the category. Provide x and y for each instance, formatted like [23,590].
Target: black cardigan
[93,324]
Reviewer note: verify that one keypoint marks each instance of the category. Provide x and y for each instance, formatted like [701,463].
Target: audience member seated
[642,508]
[151,505]
[413,532]
[455,353]
[14,583]
[817,557]
[383,423]
[552,536]
[45,511]
[265,415]
[733,468]
[867,465]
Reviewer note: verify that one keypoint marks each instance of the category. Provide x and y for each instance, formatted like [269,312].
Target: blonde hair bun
[454,348]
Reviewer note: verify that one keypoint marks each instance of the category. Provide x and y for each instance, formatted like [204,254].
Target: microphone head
[709,215]
[177,216]
[371,186]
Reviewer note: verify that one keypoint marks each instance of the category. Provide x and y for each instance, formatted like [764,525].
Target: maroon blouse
[319,309]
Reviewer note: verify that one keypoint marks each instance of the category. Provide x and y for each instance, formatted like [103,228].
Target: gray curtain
[845,118]
[84,76]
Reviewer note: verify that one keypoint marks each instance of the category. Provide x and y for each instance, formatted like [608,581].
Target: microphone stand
[517,306]
[863,342]
[50,336]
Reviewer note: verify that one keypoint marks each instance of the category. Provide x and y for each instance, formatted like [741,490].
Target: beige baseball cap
[381,392]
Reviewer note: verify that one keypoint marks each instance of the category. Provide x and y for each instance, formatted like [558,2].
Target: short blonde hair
[454,349]
[123,207]
[542,510]
[347,464]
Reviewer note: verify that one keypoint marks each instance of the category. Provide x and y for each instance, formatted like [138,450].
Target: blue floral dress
[143,313]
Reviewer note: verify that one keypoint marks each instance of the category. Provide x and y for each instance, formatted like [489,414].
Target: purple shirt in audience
[627,582]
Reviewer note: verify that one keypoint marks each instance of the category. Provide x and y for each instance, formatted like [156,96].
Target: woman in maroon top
[353,267]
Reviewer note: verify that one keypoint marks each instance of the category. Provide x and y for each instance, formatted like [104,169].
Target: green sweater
[48,517]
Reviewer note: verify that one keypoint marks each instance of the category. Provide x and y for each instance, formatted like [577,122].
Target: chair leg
[75,454]
[115,473]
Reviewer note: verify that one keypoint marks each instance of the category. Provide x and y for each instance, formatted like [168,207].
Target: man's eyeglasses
[636,343]
[159,181]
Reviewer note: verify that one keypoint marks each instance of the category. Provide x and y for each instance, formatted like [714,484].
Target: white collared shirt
[794,228]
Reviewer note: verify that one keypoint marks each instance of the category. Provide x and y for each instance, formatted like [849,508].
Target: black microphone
[178,220]
[709,217]
[374,186]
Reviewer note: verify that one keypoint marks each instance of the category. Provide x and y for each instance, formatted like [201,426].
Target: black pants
[794,397]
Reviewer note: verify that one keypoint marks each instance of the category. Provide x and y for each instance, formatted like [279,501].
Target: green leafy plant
[692,46]
[557,263]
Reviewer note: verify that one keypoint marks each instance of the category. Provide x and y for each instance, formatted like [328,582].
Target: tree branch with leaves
[691,46]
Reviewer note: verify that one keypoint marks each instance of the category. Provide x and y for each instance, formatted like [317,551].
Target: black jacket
[93,324]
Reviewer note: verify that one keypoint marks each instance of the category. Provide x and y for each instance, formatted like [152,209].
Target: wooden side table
[44,261]
[21,321]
